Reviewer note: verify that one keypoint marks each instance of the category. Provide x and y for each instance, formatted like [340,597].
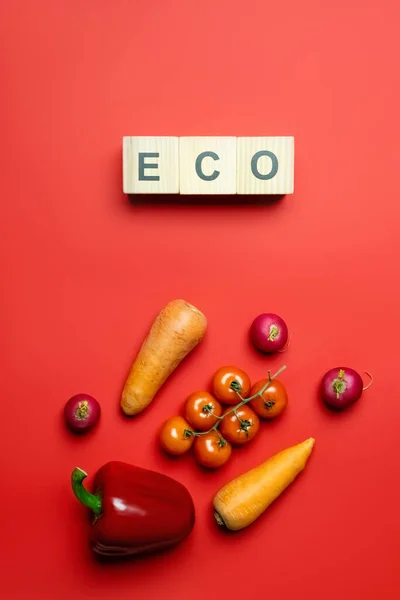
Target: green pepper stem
[90,500]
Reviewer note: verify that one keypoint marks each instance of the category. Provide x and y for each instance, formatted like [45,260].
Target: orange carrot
[177,329]
[241,501]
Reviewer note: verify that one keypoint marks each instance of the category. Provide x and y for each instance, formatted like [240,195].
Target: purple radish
[81,412]
[342,386]
[269,333]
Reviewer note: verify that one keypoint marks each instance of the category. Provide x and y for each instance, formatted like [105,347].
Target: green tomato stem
[242,402]
[216,416]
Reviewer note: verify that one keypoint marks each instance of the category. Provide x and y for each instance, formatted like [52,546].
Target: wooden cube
[265,165]
[207,165]
[150,165]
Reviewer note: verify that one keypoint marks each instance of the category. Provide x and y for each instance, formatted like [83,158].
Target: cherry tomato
[221,384]
[173,436]
[241,427]
[273,401]
[212,450]
[201,410]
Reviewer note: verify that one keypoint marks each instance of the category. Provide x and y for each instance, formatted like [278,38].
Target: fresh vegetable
[269,332]
[273,400]
[237,425]
[241,426]
[342,386]
[212,450]
[175,436]
[222,387]
[134,510]
[202,410]
[241,501]
[177,329]
[81,412]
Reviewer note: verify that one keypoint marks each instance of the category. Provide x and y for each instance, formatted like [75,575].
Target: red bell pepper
[135,510]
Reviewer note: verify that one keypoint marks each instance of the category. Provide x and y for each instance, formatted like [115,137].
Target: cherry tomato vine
[245,424]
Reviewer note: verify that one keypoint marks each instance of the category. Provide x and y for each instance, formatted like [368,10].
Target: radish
[81,412]
[269,333]
[342,386]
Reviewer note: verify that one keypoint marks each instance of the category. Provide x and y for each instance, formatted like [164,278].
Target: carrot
[177,329]
[241,501]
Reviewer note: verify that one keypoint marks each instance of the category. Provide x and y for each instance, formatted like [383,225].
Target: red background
[85,271]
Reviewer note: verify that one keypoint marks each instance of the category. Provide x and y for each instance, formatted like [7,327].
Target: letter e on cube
[150,165]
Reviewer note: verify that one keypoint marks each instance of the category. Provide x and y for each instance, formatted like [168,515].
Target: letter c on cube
[199,169]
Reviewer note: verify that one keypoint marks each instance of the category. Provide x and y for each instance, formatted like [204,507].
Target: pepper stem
[90,500]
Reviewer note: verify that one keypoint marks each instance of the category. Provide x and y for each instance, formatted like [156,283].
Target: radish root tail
[370,383]
[288,343]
